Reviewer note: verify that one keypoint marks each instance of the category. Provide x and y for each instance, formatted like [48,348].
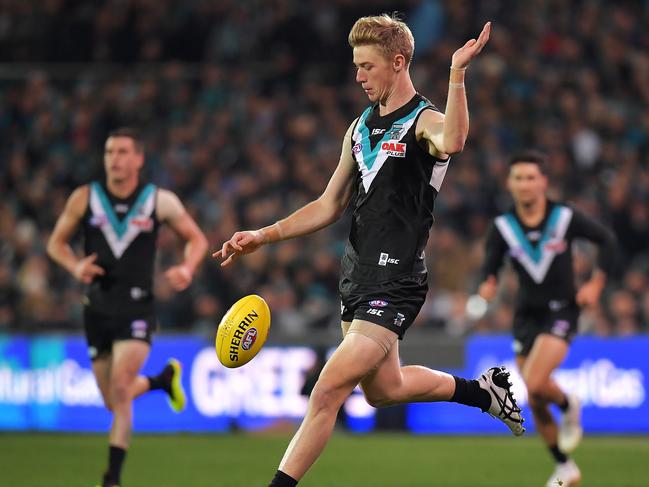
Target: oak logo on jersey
[559,246]
[143,223]
[394,149]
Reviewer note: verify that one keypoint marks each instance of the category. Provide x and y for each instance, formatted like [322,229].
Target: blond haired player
[120,218]
[397,152]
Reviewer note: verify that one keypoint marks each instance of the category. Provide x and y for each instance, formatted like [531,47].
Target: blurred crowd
[243,105]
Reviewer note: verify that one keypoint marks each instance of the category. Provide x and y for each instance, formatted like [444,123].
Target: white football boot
[503,405]
[565,475]
[570,430]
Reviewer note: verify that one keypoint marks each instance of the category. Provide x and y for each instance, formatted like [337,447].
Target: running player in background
[120,219]
[537,235]
[395,155]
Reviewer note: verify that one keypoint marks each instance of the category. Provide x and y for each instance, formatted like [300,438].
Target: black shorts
[393,305]
[532,322]
[102,330]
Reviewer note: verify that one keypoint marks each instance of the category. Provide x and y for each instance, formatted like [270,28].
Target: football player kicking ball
[398,151]
[537,235]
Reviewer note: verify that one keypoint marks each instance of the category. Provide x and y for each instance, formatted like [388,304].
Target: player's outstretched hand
[463,56]
[588,294]
[86,269]
[488,288]
[241,243]
[179,277]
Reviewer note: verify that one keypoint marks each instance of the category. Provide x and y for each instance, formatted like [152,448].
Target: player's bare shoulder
[78,201]
[168,205]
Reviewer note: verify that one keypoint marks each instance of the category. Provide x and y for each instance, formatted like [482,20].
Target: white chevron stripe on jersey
[371,160]
[118,244]
[521,249]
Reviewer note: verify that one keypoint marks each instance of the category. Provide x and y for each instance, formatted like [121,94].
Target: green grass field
[395,460]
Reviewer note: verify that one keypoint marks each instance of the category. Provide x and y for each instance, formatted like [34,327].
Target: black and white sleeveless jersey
[397,182]
[122,232]
[542,255]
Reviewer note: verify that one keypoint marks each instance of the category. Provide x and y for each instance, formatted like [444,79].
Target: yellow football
[242,331]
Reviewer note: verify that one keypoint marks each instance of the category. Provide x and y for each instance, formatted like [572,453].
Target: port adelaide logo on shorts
[139,328]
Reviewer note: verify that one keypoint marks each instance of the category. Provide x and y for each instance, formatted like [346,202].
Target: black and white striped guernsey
[122,232]
[397,183]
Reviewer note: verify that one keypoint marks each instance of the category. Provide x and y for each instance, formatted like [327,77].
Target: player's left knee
[535,387]
[326,397]
[119,393]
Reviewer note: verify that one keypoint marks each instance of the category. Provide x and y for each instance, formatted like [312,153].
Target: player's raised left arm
[446,134]
[172,212]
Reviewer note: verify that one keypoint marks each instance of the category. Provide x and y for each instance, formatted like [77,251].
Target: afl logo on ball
[249,338]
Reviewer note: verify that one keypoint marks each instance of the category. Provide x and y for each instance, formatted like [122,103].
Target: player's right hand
[241,243]
[488,288]
[86,269]
[463,56]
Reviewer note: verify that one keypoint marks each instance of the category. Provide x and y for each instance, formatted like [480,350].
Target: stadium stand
[243,105]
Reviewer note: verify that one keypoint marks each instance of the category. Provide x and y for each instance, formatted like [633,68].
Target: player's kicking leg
[393,384]
[503,405]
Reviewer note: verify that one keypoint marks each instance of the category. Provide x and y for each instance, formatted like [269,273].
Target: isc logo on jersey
[394,149]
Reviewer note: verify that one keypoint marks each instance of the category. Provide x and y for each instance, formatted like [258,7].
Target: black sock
[557,454]
[564,405]
[162,380]
[156,382]
[116,457]
[282,480]
[470,393]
